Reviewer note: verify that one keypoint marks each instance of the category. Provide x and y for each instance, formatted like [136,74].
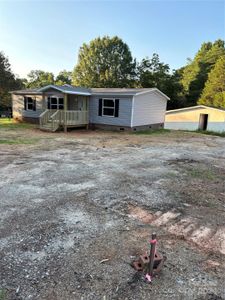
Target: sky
[46,35]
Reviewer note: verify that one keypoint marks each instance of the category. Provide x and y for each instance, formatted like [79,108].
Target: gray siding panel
[32,113]
[125,110]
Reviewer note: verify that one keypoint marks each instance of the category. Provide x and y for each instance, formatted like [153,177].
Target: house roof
[126,91]
[26,92]
[69,89]
[192,108]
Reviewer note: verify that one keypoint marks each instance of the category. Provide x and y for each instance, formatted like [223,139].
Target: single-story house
[55,107]
[198,117]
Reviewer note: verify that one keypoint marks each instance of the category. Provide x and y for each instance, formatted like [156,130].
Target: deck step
[47,127]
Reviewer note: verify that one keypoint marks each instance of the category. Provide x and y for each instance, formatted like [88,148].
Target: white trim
[153,90]
[193,107]
[112,94]
[114,108]
[33,99]
[57,104]
[132,112]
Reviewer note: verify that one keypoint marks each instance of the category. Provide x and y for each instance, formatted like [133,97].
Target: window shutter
[25,103]
[34,104]
[117,101]
[100,107]
[48,104]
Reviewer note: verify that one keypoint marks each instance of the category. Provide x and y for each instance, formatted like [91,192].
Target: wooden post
[87,110]
[152,254]
[65,109]
[43,102]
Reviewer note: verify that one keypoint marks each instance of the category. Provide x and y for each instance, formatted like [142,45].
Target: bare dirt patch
[77,208]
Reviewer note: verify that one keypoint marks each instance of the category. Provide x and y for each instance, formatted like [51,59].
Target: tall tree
[214,90]
[153,73]
[104,62]
[195,74]
[8,82]
[64,77]
[39,78]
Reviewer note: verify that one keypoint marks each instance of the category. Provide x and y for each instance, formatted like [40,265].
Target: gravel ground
[77,208]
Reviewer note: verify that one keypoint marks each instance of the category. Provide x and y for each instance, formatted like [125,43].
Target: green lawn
[152,131]
[6,123]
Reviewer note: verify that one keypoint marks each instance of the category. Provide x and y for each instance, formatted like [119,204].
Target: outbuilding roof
[192,108]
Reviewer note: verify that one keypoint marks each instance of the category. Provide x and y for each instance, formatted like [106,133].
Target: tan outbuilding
[198,117]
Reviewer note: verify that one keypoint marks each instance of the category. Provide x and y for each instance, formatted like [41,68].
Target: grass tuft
[152,131]
[202,174]
[207,132]
[18,141]
[2,294]
[6,123]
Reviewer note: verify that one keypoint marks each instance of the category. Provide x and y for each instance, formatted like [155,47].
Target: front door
[203,121]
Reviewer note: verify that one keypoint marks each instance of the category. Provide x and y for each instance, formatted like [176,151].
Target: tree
[153,73]
[195,74]
[39,78]
[8,82]
[64,77]
[214,90]
[104,62]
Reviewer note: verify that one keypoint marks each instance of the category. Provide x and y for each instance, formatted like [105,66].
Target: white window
[108,107]
[29,103]
[55,102]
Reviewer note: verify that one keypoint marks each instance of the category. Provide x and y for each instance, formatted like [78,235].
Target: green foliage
[195,74]
[11,124]
[104,62]
[39,78]
[152,131]
[8,82]
[3,294]
[153,73]
[64,77]
[214,91]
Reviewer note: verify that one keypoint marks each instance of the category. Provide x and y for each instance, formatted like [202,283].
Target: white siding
[188,119]
[212,126]
[148,108]
[182,125]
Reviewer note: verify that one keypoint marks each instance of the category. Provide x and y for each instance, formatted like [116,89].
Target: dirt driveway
[70,201]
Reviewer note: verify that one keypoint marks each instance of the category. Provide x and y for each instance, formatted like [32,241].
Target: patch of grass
[222,134]
[2,294]
[152,131]
[18,141]
[6,123]
[202,174]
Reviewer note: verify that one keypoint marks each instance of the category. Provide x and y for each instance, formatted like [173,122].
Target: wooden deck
[52,120]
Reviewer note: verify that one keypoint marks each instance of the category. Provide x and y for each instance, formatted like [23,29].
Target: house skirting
[126,128]
[27,119]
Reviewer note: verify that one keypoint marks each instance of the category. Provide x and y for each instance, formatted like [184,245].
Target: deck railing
[56,118]
[74,117]
[44,117]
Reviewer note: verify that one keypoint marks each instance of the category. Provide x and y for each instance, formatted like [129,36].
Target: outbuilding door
[203,122]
